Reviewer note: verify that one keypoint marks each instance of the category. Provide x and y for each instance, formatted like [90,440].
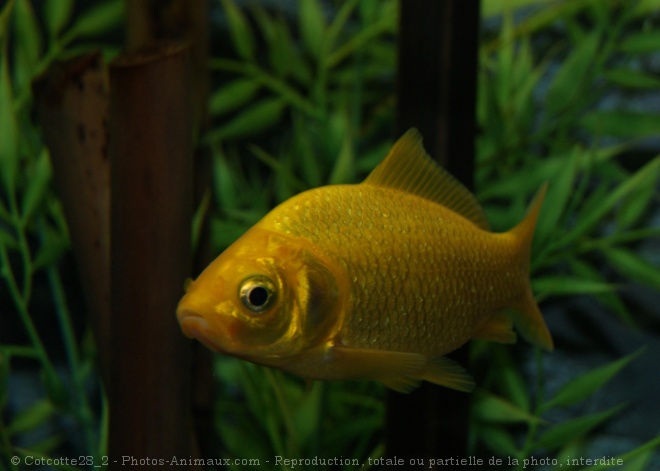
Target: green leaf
[587,384]
[96,20]
[31,417]
[344,168]
[509,377]
[51,249]
[606,202]
[9,142]
[57,14]
[610,300]
[641,43]
[498,439]
[570,80]
[565,432]
[559,193]
[37,185]
[28,41]
[223,179]
[488,407]
[632,79]
[630,459]
[239,29]
[312,26]
[5,14]
[633,266]
[569,286]
[283,172]
[622,123]
[258,117]
[636,204]
[233,95]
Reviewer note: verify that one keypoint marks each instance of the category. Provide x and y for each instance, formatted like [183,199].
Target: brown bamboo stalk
[150,150]
[437,74]
[72,104]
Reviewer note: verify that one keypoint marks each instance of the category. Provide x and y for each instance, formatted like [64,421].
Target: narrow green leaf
[621,123]
[223,180]
[607,200]
[37,185]
[51,249]
[563,433]
[310,165]
[31,417]
[57,14]
[282,52]
[629,458]
[633,266]
[560,189]
[254,119]
[96,20]
[636,204]
[28,40]
[645,7]
[9,142]
[610,300]
[499,440]
[641,43]
[344,168]
[587,384]
[632,79]
[5,14]
[232,95]
[312,26]
[488,407]
[492,8]
[282,171]
[568,286]
[570,80]
[239,29]
[513,385]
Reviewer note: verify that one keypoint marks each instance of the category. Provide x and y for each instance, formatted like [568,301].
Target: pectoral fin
[401,371]
[372,364]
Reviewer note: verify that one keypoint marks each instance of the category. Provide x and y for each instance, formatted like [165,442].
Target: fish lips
[194,326]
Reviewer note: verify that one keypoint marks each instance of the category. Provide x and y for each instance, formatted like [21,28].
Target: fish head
[267,298]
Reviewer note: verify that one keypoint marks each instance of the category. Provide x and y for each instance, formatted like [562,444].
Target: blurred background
[267,99]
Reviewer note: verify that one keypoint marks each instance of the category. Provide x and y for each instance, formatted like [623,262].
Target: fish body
[378,280]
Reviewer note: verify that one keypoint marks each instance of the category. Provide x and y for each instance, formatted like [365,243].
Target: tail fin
[528,318]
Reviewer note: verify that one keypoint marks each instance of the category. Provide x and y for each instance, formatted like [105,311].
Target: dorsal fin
[409,168]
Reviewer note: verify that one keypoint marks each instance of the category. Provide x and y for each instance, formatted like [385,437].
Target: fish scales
[375,281]
[395,248]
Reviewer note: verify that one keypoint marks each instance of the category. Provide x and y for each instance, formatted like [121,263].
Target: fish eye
[257,293]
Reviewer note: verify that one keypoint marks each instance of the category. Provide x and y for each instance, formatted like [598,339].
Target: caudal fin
[528,318]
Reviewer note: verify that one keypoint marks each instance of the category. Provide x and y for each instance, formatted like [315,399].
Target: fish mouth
[196,327]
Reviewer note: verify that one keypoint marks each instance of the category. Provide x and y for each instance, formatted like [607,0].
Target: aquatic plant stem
[285,410]
[80,404]
[20,297]
[528,447]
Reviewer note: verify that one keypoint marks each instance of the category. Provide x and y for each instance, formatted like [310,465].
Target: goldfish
[378,280]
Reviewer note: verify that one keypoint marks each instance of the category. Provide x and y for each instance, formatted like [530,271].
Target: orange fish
[378,280]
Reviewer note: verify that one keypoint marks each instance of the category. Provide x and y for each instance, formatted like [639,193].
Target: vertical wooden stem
[72,103]
[150,152]
[437,94]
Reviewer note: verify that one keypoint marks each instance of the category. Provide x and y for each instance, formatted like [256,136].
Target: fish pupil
[258,296]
